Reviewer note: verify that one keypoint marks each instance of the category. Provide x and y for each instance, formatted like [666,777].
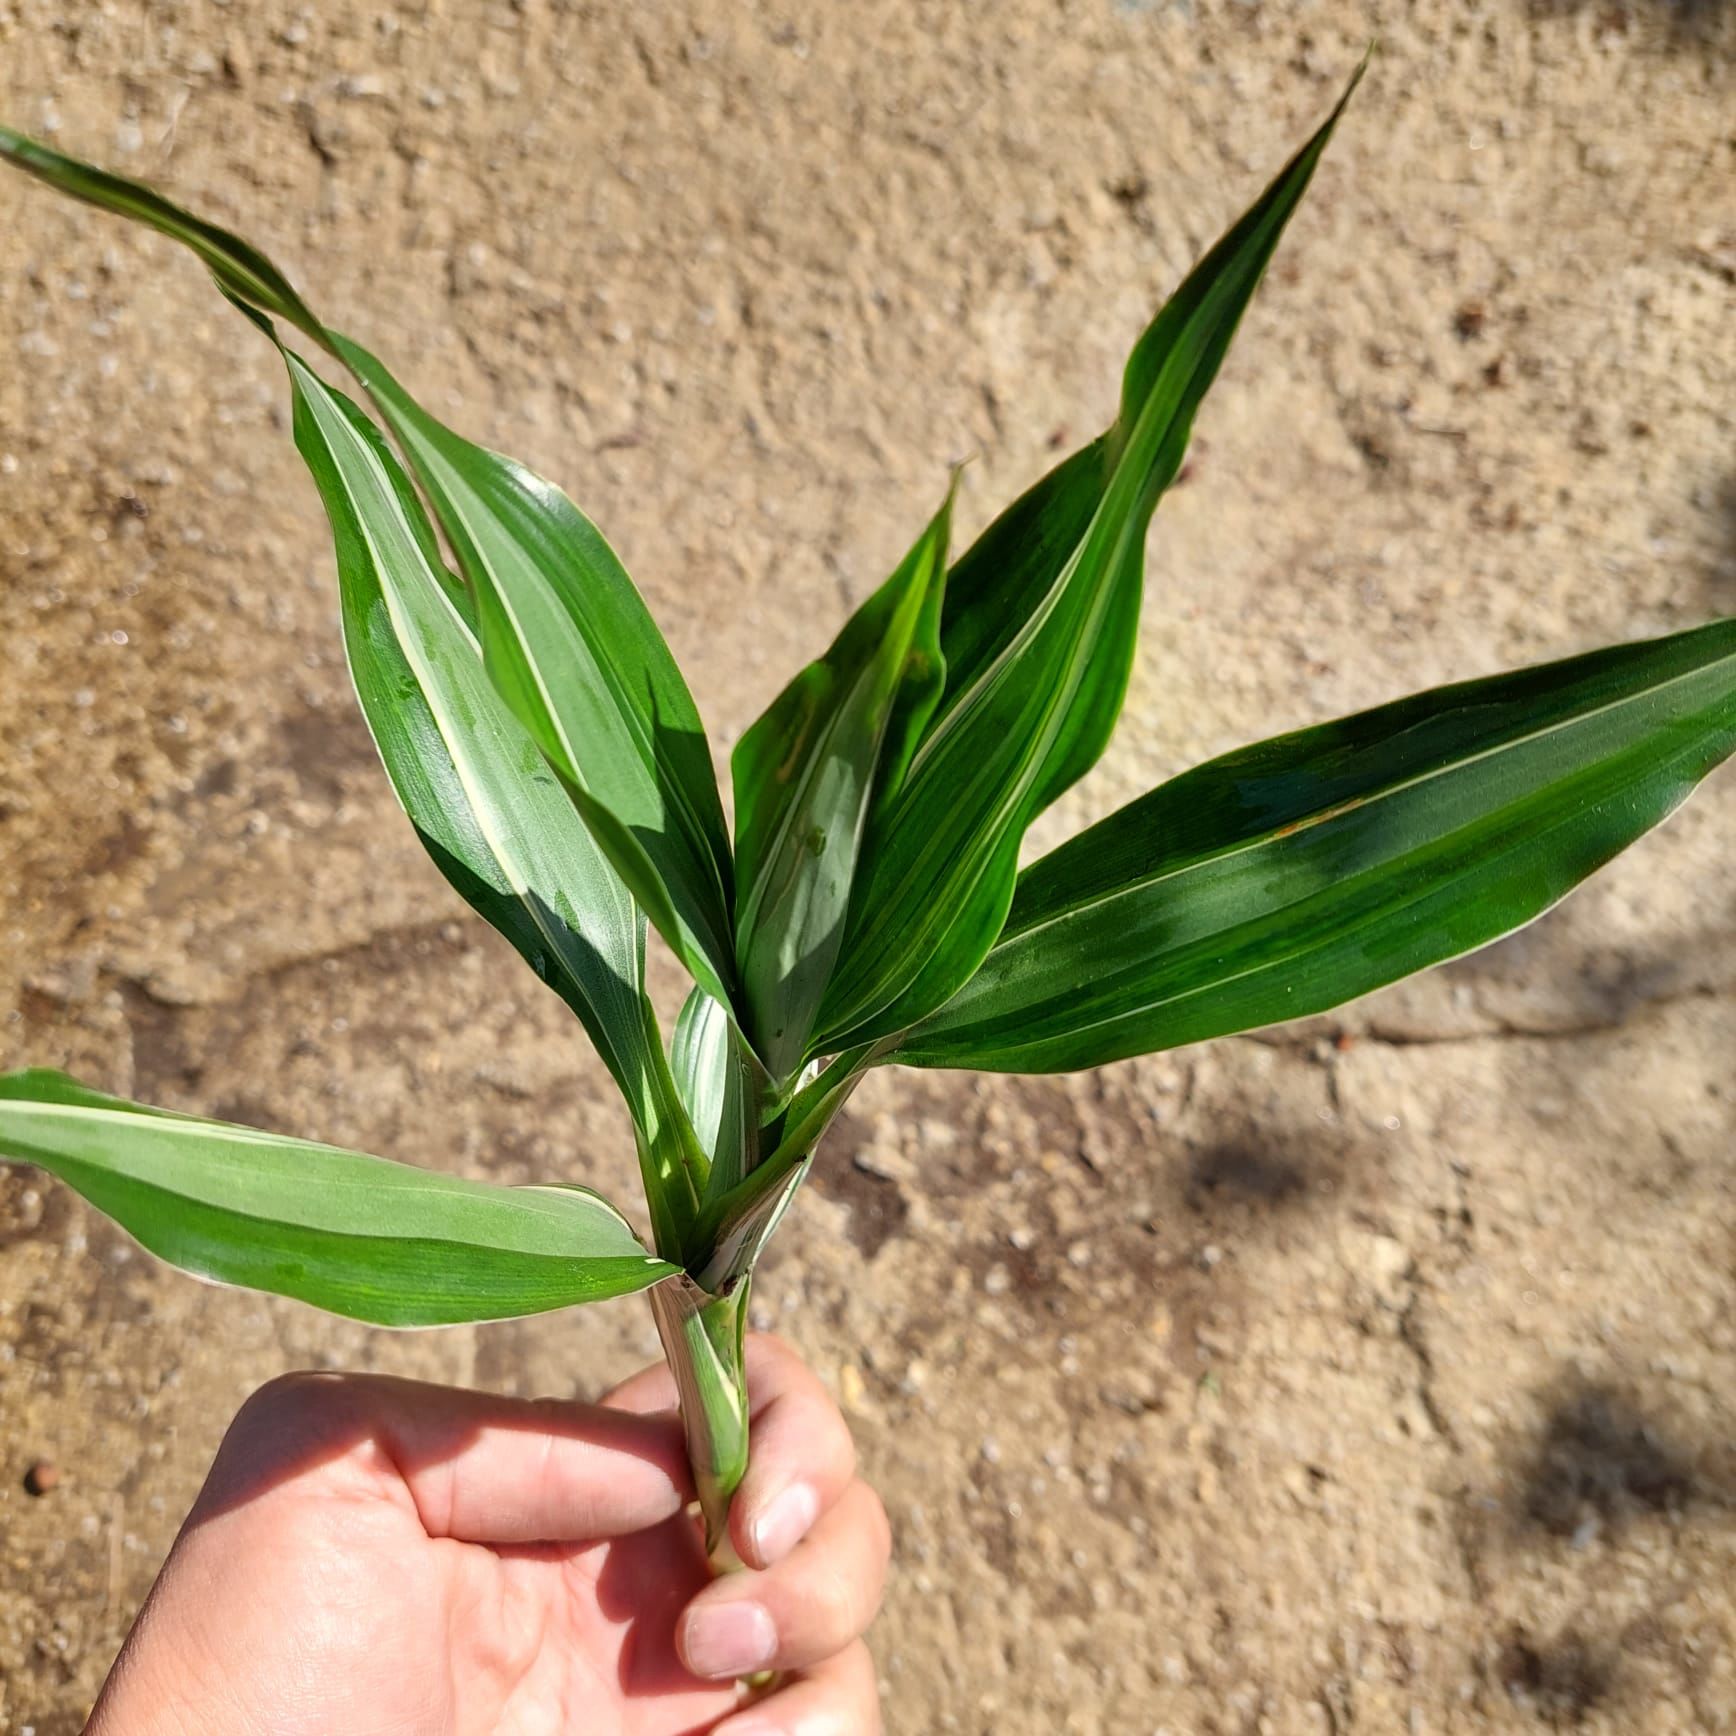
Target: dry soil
[1372,1375]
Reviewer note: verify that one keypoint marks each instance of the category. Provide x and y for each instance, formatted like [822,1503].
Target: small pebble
[41,1477]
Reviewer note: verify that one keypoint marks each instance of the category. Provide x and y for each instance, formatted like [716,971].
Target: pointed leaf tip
[360,1236]
[1291,876]
[565,635]
[1038,631]
[241,270]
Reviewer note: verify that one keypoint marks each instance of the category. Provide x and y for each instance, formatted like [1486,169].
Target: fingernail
[729,1639]
[787,1519]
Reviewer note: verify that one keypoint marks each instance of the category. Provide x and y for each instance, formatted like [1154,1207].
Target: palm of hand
[429,1634]
[397,1629]
[370,1555]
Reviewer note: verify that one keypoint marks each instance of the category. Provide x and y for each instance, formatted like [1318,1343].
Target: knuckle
[844,1447]
[290,1410]
[835,1608]
[272,1421]
[774,1366]
[844,1595]
[772,1345]
[283,1395]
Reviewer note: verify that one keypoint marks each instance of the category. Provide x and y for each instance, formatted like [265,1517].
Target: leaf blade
[474,783]
[638,765]
[571,646]
[1291,876]
[805,774]
[1039,636]
[360,1236]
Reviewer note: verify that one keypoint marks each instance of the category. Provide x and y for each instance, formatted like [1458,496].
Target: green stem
[702,1338]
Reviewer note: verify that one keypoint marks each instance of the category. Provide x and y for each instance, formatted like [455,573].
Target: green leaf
[378,1241]
[804,776]
[1291,876]
[242,270]
[565,635]
[718,1079]
[1038,636]
[569,643]
[998,584]
[487,805]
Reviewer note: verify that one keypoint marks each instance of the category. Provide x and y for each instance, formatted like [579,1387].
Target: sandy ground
[1373,1375]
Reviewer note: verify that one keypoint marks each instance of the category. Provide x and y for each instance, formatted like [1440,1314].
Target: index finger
[477,1467]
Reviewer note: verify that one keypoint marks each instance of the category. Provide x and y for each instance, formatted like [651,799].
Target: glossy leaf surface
[804,776]
[1038,636]
[1288,877]
[572,648]
[486,803]
[362,1236]
[565,635]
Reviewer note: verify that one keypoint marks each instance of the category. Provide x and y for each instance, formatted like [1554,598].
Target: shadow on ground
[1687,24]
[1603,1461]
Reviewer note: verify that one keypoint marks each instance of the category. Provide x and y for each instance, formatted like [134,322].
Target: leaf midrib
[1293,829]
[1217,984]
[455,742]
[355,1238]
[405,1177]
[669,792]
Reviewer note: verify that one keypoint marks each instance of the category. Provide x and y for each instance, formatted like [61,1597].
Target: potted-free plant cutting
[868,907]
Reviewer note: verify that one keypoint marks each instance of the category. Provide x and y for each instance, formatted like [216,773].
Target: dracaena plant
[868,908]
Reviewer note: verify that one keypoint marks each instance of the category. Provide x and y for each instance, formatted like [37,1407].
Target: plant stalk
[702,1338]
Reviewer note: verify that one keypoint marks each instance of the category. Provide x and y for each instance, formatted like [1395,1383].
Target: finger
[837,1698]
[800,1455]
[478,1467]
[651,1389]
[809,1606]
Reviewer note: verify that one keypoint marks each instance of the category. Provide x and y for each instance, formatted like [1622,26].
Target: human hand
[374,1555]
